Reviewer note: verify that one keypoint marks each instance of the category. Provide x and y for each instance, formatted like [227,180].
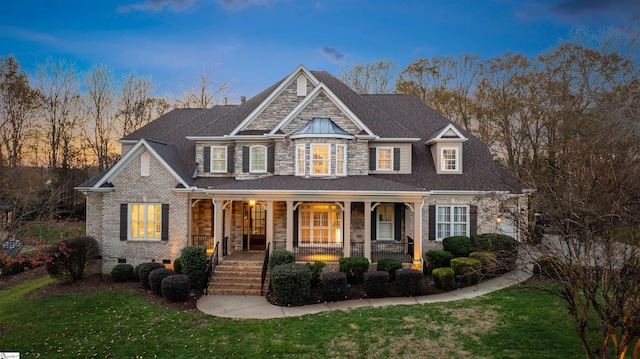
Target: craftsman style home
[307,165]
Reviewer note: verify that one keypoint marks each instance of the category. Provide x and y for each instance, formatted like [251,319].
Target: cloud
[599,12]
[157,5]
[241,4]
[332,54]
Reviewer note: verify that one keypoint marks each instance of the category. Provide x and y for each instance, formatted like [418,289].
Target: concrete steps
[237,278]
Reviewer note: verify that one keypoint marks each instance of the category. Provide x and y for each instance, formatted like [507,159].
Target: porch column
[218,219]
[227,219]
[367,230]
[417,234]
[290,219]
[269,228]
[347,229]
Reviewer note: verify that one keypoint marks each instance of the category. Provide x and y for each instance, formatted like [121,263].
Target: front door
[254,227]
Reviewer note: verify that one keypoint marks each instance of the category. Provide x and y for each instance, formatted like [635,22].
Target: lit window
[320,159]
[258,159]
[341,160]
[449,159]
[218,159]
[300,160]
[145,221]
[385,221]
[320,224]
[452,221]
[384,158]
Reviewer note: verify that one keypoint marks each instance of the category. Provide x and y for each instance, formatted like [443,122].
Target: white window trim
[145,164]
[378,150]
[443,166]
[130,220]
[344,161]
[311,162]
[452,222]
[378,223]
[251,169]
[225,159]
[310,208]
[301,148]
[301,86]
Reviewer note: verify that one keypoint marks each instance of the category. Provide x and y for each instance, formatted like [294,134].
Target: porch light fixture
[498,219]
[252,203]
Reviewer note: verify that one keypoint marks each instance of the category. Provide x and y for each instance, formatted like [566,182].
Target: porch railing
[332,252]
[211,267]
[202,240]
[265,265]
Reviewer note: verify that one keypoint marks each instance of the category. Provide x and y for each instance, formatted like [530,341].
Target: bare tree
[100,108]
[206,95]
[370,78]
[137,105]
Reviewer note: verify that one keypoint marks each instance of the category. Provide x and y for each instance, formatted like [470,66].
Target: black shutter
[374,224]
[124,221]
[432,222]
[165,222]
[397,221]
[295,227]
[270,158]
[231,159]
[396,159]
[207,159]
[473,220]
[372,159]
[245,159]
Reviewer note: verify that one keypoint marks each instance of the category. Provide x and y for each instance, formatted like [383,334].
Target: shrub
[22,262]
[444,278]
[468,269]
[316,271]
[72,256]
[409,281]
[459,246]
[390,266]
[334,285]
[489,262]
[438,259]
[280,257]
[376,284]
[194,265]
[144,271]
[548,266]
[291,283]
[155,279]
[177,265]
[121,272]
[176,287]
[136,273]
[354,268]
[504,247]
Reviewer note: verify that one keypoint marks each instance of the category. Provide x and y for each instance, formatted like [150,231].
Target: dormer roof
[448,133]
[321,127]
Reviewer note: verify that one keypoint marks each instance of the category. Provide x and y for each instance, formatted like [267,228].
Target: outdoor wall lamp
[252,203]
[499,219]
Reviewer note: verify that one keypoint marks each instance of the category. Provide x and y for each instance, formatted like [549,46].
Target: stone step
[237,269]
[255,292]
[241,263]
[237,278]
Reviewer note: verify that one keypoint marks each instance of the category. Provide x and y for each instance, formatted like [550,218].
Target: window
[320,159]
[145,164]
[384,216]
[341,160]
[301,89]
[145,221]
[218,159]
[385,159]
[300,160]
[449,159]
[258,159]
[452,221]
[320,224]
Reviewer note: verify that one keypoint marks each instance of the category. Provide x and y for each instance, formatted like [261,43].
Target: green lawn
[519,322]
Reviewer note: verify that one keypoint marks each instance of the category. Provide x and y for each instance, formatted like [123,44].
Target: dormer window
[258,159]
[320,159]
[300,160]
[446,147]
[384,157]
[218,159]
[449,156]
[341,160]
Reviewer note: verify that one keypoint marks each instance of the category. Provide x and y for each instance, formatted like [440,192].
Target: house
[307,165]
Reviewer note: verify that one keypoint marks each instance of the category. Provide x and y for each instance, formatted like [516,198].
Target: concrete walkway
[254,307]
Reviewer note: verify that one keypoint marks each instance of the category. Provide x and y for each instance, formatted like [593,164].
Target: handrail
[211,267]
[265,264]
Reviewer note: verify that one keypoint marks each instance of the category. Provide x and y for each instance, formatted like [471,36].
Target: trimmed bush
[121,272]
[444,278]
[144,271]
[438,259]
[291,283]
[548,266]
[316,271]
[155,279]
[490,264]
[459,246]
[334,286]
[390,266]
[177,265]
[504,247]
[73,256]
[354,268]
[281,257]
[376,284]
[194,265]
[409,282]
[175,288]
[468,269]
[136,273]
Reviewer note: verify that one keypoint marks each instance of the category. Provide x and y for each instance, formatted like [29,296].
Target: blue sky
[257,42]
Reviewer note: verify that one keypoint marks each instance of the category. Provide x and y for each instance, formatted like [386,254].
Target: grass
[518,322]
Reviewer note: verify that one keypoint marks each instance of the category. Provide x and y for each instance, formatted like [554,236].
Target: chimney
[243,99]
[226,101]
